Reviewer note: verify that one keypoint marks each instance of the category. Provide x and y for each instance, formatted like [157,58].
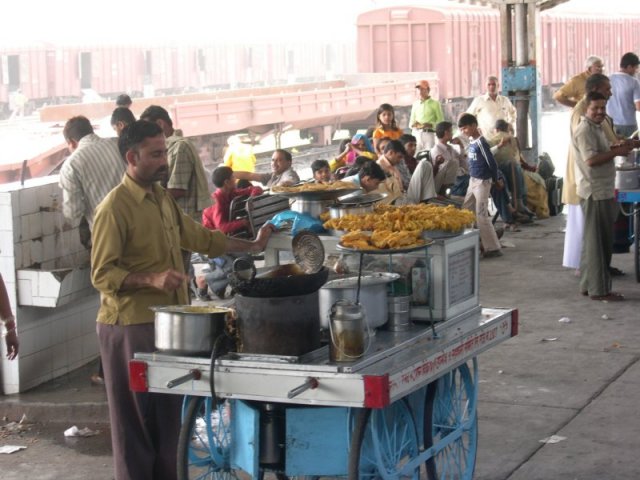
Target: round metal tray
[317,194]
[435,234]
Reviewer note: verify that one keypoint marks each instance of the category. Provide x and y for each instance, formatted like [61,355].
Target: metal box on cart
[452,263]
[454,278]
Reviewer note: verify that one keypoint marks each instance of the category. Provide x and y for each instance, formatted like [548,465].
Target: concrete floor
[583,385]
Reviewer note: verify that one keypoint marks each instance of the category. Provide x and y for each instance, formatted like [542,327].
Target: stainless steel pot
[339,211]
[627,178]
[188,329]
[311,207]
[373,296]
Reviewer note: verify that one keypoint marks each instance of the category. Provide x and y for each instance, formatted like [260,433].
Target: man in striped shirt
[92,170]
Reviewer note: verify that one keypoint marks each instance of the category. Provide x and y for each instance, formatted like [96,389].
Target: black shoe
[527,212]
[492,254]
[203,295]
[615,272]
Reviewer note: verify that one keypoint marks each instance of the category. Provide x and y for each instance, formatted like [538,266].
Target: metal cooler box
[453,280]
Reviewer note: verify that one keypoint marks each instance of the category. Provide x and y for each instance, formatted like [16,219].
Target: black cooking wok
[281,281]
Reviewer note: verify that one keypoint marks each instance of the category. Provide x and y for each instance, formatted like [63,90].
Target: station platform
[577,378]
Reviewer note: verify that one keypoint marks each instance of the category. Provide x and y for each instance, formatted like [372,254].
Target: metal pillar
[520,78]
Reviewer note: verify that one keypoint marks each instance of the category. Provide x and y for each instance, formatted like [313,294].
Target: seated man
[321,171]
[422,186]
[216,217]
[398,178]
[369,176]
[506,151]
[446,159]
[282,173]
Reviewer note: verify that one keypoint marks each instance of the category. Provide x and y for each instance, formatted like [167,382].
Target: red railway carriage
[462,43]
[49,73]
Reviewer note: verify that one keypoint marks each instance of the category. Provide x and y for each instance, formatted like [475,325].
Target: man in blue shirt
[625,101]
[483,171]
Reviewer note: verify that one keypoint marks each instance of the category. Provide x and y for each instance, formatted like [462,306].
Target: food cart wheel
[204,443]
[382,442]
[451,424]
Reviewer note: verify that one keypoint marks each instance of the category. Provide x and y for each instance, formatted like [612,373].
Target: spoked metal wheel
[204,443]
[383,442]
[451,424]
[636,242]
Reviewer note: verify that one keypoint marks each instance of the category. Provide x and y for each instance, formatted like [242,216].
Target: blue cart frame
[633,197]
[409,405]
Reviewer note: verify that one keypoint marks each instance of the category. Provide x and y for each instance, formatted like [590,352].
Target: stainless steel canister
[399,313]
[347,327]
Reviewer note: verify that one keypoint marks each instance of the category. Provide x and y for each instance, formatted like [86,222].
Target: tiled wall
[34,236]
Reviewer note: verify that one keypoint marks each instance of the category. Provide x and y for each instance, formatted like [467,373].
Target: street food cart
[407,404]
[633,197]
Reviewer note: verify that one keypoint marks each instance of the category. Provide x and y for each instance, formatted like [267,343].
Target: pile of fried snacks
[382,240]
[408,217]
[314,187]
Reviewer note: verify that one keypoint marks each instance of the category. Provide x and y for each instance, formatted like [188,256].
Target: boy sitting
[216,217]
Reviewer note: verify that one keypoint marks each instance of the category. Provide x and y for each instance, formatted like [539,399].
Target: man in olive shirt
[137,235]
[595,179]
[571,92]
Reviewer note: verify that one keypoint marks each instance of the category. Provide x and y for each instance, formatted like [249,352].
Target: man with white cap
[425,114]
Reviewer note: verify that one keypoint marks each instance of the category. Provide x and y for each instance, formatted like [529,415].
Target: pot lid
[367,279]
[189,309]
[359,198]
[308,251]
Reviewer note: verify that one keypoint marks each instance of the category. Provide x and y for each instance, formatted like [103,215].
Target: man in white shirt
[490,107]
[446,159]
[625,100]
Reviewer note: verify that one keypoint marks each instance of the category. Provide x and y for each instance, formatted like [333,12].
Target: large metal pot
[339,211]
[311,207]
[188,329]
[357,203]
[278,326]
[373,296]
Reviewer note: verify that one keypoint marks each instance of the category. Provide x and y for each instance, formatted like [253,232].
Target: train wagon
[462,43]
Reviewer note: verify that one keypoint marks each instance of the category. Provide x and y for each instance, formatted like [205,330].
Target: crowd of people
[143,205]
[603,126]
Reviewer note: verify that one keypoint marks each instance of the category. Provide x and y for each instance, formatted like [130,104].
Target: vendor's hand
[263,237]
[169,280]
[622,149]
[11,340]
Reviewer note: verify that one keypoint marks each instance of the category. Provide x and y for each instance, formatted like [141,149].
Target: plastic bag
[297,222]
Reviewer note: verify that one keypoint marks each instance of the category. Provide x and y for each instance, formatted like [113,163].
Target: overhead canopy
[540,4]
